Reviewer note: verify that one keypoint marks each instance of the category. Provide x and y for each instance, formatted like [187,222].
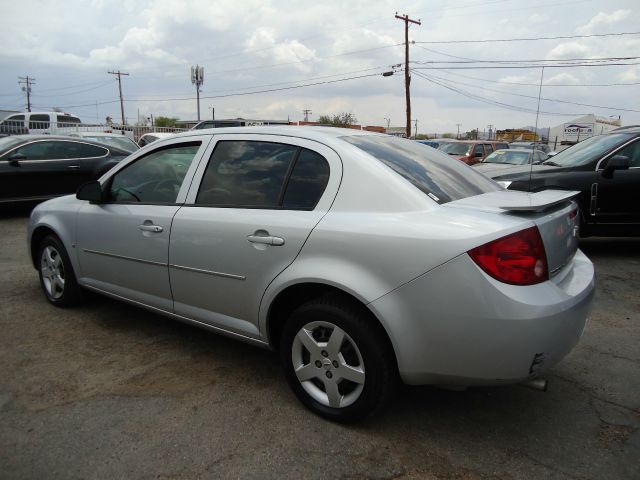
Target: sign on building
[576,131]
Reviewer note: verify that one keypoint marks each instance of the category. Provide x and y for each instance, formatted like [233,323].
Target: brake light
[518,259]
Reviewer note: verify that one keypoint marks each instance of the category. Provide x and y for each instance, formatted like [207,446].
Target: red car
[470,152]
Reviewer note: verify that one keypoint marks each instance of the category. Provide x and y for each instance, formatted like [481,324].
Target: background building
[578,129]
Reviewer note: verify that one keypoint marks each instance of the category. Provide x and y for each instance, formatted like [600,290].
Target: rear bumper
[456,325]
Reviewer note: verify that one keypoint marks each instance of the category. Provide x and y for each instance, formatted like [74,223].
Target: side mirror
[91,191]
[552,154]
[617,162]
[15,158]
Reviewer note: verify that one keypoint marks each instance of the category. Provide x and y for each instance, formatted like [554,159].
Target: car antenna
[536,130]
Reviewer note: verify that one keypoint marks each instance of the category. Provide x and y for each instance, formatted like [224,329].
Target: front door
[39,169]
[617,192]
[123,244]
[244,222]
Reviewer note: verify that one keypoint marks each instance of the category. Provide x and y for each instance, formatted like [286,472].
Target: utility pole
[490,127]
[119,75]
[415,135]
[27,81]
[306,114]
[458,125]
[407,78]
[388,123]
[197,78]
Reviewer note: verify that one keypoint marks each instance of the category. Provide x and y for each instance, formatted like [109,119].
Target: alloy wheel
[328,364]
[52,269]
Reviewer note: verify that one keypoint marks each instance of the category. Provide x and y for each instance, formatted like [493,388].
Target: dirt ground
[106,390]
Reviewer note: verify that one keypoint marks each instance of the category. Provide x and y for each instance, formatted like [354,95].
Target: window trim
[2,157]
[283,188]
[200,142]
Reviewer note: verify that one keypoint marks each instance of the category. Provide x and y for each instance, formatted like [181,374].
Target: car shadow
[610,246]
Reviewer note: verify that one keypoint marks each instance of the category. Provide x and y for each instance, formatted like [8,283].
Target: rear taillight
[518,259]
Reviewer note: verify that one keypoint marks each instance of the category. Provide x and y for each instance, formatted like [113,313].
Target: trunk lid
[552,211]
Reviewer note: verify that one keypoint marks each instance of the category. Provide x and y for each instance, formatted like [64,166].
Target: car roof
[310,132]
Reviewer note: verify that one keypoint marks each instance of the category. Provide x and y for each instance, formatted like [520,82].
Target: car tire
[338,362]
[57,278]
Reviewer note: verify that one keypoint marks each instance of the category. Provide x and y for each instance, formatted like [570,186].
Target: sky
[341,47]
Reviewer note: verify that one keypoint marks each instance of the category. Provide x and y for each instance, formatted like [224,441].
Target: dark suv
[605,169]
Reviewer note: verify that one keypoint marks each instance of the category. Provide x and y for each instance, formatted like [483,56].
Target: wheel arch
[37,236]
[295,295]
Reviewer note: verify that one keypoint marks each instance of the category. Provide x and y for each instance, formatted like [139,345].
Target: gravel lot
[106,390]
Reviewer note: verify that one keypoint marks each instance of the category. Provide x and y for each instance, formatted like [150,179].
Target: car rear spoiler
[517,201]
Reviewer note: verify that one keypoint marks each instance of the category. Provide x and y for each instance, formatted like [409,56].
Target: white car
[360,257]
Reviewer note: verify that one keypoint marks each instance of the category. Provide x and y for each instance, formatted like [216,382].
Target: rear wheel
[57,278]
[336,360]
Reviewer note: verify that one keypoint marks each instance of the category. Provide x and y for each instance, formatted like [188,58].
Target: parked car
[148,138]
[470,152]
[605,169]
[116,140]
[505,160]
[531,145]
[56,123]
[430,143]
[39,167]
[360,257]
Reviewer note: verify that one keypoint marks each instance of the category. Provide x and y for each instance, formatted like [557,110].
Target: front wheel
[57,278]
[337,361]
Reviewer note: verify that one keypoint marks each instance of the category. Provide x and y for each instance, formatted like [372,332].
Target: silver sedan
[361,258]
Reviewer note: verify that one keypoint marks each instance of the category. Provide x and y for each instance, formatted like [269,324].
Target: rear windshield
[443,179]
[460,149]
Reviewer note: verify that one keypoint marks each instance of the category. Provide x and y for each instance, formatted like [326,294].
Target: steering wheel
[166,189]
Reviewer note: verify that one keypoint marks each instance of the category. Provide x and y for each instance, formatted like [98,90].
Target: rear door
[617,194]
[249,212]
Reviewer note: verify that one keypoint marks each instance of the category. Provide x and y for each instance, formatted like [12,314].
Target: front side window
[487,149]
[39,151]
[460,149]
[154,178]
[633,152]
[588,150]
[478,151]
[429,171]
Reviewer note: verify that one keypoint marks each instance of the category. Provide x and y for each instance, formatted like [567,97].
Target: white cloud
[603,19]
[263,43]
[562,79]
[569,50]
[538,18]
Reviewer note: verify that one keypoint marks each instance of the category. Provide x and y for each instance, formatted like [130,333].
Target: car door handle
[150,228]
[275,241]
[74,167]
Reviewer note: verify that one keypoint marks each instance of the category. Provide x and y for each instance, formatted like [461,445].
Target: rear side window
[254,174]
[488,148]
[442,178]
[246,174]
[64,120]
[39,121]
[308,180]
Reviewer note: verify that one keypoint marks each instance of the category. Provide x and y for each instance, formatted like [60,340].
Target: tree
[448,135]
[343,119]
[165,121]
[472,134]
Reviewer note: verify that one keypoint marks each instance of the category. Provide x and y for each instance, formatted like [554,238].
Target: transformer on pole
[197,79]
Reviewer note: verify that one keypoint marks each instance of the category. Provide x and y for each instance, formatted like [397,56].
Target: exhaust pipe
[539,384]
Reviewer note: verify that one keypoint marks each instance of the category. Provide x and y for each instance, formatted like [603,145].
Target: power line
[489,101]
[492,67]
[533,97]
[541,61]
[76,92]
[502,82]
[226,95]
[529,39]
